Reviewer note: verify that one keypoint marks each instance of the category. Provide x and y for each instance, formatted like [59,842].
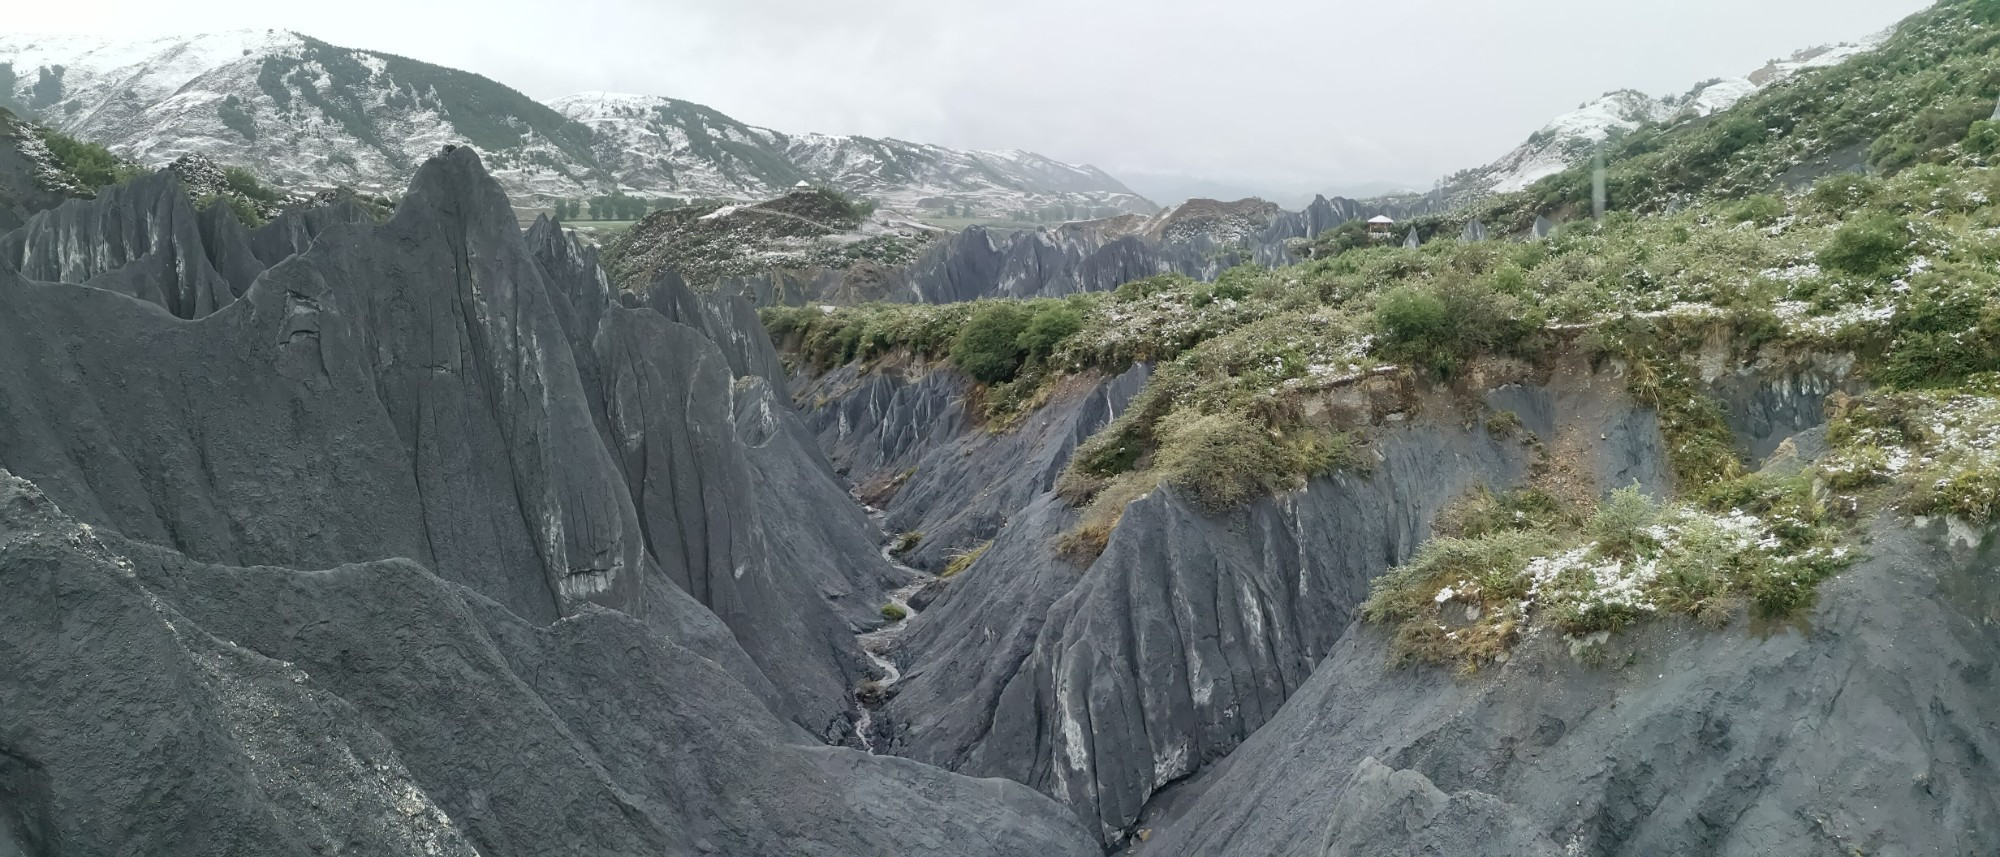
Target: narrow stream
[877,644]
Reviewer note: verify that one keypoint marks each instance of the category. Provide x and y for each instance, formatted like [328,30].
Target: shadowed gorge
[1635,495]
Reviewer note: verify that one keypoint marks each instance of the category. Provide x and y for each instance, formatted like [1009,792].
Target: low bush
[1875,245]
[1438,325]
[89,164]
[1047,328]
[1762,209]
[988,347]
[1983,138]
[1466,599]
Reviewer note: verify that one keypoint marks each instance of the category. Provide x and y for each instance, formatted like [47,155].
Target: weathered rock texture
[913,444]
[530,504]
[1870,730]
[1104,685]
[158,704]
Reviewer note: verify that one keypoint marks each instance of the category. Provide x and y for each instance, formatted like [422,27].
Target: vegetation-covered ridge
[64,164]
[1925,96]
[819,227]
[1900,272]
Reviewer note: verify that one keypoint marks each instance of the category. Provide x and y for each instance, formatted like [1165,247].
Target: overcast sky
[1267,95]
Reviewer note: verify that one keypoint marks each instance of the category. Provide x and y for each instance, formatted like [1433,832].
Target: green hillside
[1717,241]
[1914,100]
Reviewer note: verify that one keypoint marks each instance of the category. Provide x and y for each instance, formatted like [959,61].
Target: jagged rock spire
[1413,241]
[1474,231]
[1543,226]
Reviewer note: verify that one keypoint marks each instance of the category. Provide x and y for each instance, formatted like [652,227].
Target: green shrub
[1440,324]
[1843,192]
[895,612]
[1620,523]
[1503,424]
[1760,209]
[1923,136]
[1051,324]
[245,182]
[1875,245]
[237,117]
[91,165]
[1221,460]
[988,347]
[1944,334]
[245,212]
[1983,138]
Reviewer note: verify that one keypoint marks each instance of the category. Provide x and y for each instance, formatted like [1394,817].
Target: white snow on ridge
[154,100]
[1569,138]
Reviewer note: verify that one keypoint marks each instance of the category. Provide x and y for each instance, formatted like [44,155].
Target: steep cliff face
[912,442]
[1105,684]
[1868,729]
[572,491]
[142,239]
[218,710]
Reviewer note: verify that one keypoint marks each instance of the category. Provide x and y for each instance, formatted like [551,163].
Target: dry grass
[962,561]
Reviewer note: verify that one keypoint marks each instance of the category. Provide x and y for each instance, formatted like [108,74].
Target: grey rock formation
[1543,226]
[1867,730]
[907,440]
[1474,231]
[1200,239]
[146,223]
[1103,686]
[1413,241]
[567,487]
[378,709]
[1181,640]
[292,232]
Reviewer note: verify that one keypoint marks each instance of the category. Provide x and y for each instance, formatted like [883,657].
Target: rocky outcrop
[1105,685]
[913,444]
[571,492]
[1183,638]
[24,168]
[291,232]
[1868,729]
[147,224]
[1199,238]
[221,710]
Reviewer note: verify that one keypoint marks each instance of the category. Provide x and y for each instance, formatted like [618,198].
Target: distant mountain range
[305,113]
[1570,139]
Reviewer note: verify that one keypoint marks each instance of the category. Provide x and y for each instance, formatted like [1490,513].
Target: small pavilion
[1381,227]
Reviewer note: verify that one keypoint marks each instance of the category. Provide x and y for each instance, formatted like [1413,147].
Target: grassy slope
[1903,271]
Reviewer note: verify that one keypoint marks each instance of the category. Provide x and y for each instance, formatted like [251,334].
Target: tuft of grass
[960,562]
[895,612]
[1503,424]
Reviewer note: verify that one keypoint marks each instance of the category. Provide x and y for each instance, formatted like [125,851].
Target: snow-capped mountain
[304,113]
[1571,137]
[652,145]
[296,110]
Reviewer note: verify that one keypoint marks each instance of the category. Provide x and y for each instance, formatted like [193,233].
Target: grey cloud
[1280,95]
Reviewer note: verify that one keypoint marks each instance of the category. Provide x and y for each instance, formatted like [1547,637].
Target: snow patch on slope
[1571,137]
